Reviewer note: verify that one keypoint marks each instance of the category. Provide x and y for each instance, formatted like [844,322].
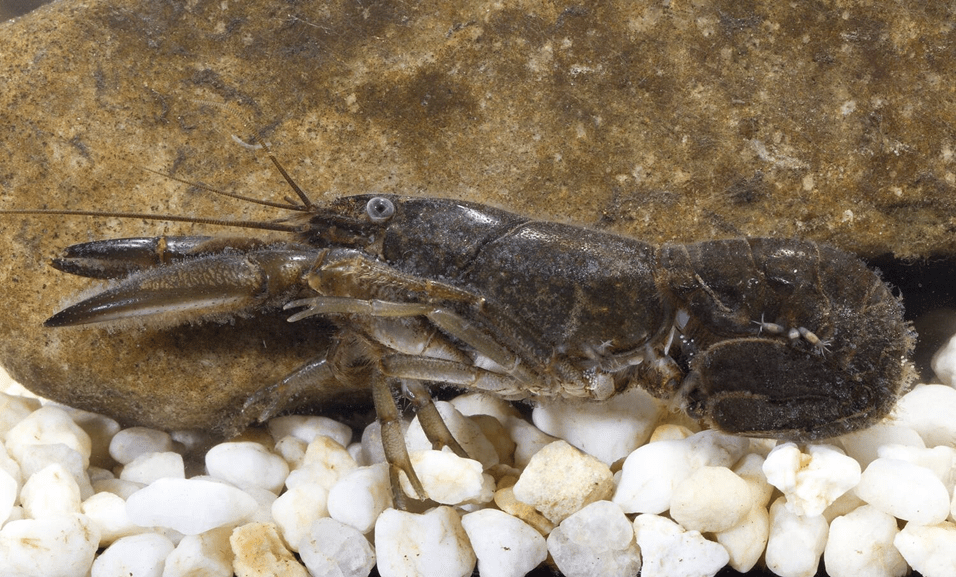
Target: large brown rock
[706,120]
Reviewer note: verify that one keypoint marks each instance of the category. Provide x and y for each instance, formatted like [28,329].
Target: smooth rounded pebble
[359,497]
[48,426]
[795,543]
[307,428]
[108,513]
[8,495]
[260,552]
[746,541]
[296,509]
[905,491]
[205,555]
[712,499]
[861,543]
[13,409]
[609,430]
[190,506]
[669,551]
[247,464]
[560,480]
[505,546]
[130,443]
[449,479]
[940,460]
[929,410]
[149,467]
[336,550]
[528,440]
[813,480]
[466,431]
[750,469]
[135,556]
[432,544]
[50,493]
[477,403]
[597,540]
[53,547]
[324,463]
[929,549]
[864,445]
[652,472]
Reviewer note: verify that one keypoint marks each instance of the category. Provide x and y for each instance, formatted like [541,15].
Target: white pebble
[324,463]
[449,479]
[292,449]
[134,556]
[108,513]
[746,541]
[470,404]
[130,443]
[810,481]
[560,480]
[750,469]
[118,487]
[48,426]
[861,543]
[51,492]
[931,549]
[35,458]
[669,551]
[13,409]
[940,460]
[432,544]
[8,495]
[247,464]
[264,501]
[597,540]
[864,445]
[259,552]
[944,362]
[528,440]
[307,428]
[650,474]
[53,547]
[796,542]
[149,467]
[190,506]
[296,509]
[331,548]
[359,497]
[468,434]
[712,499]
[929,410]
[608,430]
[905,491]
[505,546]
[205,555]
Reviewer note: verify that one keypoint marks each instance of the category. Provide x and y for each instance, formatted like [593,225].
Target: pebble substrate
[605,489]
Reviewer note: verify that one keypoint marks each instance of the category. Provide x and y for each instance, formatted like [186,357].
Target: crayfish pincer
[764,337]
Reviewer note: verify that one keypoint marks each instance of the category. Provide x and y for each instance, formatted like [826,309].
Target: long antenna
[231,109]
[261,225]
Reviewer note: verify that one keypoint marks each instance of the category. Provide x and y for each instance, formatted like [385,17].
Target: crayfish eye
[380,209]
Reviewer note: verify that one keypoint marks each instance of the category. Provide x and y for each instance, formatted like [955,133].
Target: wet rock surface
[714,120]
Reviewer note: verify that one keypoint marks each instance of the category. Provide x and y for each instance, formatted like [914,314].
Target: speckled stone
[705,120]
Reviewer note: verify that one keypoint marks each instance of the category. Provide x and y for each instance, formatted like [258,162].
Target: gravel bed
[592,489]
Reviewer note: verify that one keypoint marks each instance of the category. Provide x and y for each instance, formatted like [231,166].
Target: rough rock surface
[696,121]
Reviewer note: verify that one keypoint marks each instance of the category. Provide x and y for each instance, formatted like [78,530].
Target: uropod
[766,337]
